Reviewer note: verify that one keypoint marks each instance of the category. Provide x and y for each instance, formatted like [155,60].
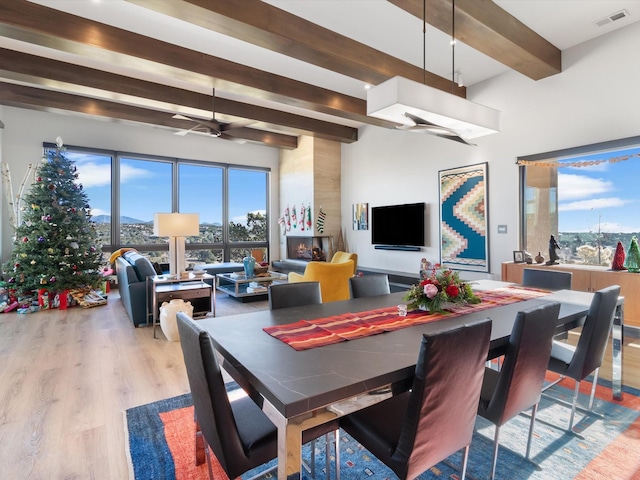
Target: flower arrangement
[438,289]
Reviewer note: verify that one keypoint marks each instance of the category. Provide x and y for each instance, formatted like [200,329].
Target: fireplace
[308,248]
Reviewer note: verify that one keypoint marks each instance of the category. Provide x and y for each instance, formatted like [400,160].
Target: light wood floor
[67,376]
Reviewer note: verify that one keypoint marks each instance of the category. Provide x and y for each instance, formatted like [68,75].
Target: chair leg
[208,457]
[496,444]
[574,404]
[593,387]
[534,410]
[465,457]
[337,437]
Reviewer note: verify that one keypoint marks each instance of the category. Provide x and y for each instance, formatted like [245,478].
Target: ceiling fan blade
[239,124]
[422,125]
[457,138]
[177,116]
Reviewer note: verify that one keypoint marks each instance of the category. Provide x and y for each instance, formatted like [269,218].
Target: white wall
[595,99]
[25,130]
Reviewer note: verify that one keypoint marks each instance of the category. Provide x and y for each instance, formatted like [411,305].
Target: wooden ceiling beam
[269,27]
[47,100]
[32,23]
[50,72]
[484,26]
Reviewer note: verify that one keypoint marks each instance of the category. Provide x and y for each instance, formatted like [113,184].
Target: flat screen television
[398,225]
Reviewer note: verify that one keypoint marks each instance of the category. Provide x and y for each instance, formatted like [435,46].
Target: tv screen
[401,225]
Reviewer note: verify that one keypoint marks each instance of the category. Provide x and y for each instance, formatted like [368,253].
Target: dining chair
[239,433]
[415,430]
[369,285]
[585,358]
[546,279]
[518,385]
[283,295]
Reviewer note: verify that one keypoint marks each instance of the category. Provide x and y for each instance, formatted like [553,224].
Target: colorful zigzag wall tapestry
[463,218]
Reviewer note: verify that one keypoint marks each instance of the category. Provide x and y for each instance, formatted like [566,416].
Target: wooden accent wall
[312,173]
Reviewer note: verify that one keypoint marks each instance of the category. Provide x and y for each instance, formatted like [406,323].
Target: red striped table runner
[306,334]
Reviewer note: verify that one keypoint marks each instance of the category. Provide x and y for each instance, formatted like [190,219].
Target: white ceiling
[377,23]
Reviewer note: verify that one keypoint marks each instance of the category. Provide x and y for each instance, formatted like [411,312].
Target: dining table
[299,389]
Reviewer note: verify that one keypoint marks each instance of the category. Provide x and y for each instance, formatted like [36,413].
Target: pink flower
[430,290]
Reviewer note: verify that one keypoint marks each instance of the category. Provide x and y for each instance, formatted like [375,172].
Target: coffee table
[240,287]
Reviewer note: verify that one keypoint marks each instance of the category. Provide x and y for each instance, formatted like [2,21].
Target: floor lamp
[176,226]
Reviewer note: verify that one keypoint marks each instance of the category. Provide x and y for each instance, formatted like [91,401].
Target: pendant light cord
[453,44]
[424,42]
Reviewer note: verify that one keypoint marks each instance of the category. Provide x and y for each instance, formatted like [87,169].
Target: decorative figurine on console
[553,256]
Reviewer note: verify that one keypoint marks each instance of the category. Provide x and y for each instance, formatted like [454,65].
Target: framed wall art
[463,218]
[361,216]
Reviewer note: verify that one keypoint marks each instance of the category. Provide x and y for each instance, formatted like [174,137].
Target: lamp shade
[176,224]
[391,99]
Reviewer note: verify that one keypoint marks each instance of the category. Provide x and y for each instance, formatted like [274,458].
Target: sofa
[132,270]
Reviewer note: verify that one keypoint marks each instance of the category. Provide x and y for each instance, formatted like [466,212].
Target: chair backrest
[341,257]
[547,279]
[444,399]
[210,401]
[283,295]
[522,374]
[595,333]
[369,285]
[333,278]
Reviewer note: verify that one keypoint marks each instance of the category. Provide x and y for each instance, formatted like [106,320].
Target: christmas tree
[633,257]
[618,258]
[55,246]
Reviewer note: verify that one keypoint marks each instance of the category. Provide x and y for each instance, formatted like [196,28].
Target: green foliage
[55,247]
[255,231]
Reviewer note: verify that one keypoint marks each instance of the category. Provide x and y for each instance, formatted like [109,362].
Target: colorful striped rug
[160,444]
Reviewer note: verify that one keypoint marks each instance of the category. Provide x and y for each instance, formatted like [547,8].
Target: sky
[603,197]
[145,188]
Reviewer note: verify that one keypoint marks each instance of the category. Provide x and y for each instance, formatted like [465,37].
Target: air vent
[612,18]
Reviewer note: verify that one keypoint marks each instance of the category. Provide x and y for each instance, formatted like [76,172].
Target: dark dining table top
[297,382]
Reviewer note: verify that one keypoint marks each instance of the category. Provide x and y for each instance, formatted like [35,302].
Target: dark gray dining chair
[283,295]
[518,385]
[415,430]
[546,279]
[239,433]
[585,358]
[369,285]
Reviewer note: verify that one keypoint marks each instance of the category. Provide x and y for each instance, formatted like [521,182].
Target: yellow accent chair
[340,257]
[333,278]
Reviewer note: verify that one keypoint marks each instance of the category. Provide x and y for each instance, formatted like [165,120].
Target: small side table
[164,288]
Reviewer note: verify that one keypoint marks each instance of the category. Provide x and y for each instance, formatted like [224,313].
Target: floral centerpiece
[440,288]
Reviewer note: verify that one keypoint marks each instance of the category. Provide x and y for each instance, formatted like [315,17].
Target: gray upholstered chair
[579,361]
[518,384]
[546,279]
[415,430]
[369,285]
[283,295]
[239,433]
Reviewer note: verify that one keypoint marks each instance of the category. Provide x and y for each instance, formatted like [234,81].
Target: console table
[589,278]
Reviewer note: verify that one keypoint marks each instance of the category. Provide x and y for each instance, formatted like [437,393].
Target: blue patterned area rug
[161,445]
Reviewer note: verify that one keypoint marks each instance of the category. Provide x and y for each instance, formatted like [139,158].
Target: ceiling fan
[422,125]
[212,127]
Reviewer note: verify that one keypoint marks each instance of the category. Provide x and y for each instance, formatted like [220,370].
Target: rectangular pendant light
[392,98]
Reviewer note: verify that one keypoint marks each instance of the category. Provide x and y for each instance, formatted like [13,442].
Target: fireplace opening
[308,249]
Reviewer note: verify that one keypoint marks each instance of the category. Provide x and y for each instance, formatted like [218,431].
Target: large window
[586,197]
[231,203]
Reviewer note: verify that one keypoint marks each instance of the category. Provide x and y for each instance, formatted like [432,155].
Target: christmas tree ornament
[43,281]
[16,265]
[23,255]
[618,258]
[12,280]
[34,206]
[633,257]
[40,239]
[74,245]
[52,279]
[50,251]
[92,249]
[51,186]
[39,179]
[33,262]
[25,239]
